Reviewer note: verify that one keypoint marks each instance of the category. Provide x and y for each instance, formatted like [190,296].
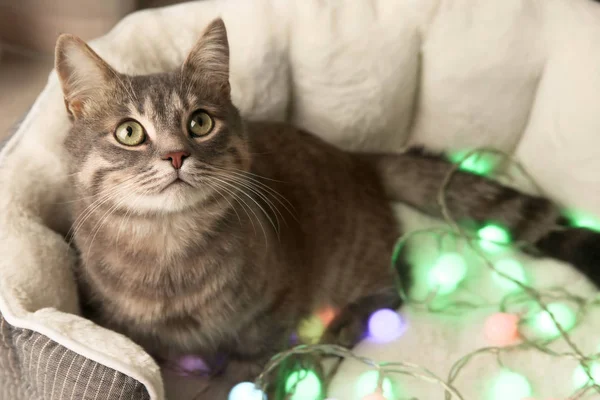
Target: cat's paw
[577,246]
[350,324]
[346,329]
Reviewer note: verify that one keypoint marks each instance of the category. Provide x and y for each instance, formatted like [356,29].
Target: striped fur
[271,223]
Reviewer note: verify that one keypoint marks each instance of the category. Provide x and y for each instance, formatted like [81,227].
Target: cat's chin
[178,197]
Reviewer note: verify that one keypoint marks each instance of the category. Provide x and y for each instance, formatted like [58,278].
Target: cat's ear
[208,62]
[82,73]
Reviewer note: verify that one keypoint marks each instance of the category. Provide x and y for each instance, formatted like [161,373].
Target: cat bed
[517,75]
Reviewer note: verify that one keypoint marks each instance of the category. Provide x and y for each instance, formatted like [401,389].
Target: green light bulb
[510,385]
[304,384]
[562,313]
[582,220]
[513,269]
[580,378]
[493,237]
[448,271]
[587,223]
[367,384]
[476,163]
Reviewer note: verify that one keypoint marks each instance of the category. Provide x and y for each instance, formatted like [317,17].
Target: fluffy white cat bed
[518,75]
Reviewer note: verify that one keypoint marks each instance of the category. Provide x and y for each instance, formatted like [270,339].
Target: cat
[199,232]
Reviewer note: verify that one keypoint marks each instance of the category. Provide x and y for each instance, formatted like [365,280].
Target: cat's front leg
[246,357]
[348,327]
[218,387]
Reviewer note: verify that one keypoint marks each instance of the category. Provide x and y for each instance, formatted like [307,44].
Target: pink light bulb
[533,398]
[374,396]
[501,329]
[326,315]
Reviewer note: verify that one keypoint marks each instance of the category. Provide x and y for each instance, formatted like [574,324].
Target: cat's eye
[130,133]
[201,124]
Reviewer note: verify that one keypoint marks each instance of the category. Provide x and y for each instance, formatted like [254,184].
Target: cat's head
[154,143]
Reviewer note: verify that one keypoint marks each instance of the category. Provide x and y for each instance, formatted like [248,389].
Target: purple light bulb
[192,365]
[386,325]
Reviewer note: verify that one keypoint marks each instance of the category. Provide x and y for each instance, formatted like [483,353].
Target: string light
[192,365]
[448,271]
[510,385]
[493,238]
[582,220]
[502,329]
[581,379]
[246,391]
[544,322]
[386,325]
[375,396]
[327,314]
[515,273]
[311,329]
[475,163]
[554,319]
[303,385]
[533,398]
[368,384]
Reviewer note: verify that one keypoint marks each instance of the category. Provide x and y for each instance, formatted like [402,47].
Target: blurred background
[28,32]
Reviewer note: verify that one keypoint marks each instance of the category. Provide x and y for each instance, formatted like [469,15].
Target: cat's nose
[176,158]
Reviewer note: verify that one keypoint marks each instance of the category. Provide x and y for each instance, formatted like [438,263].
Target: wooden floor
[22,77]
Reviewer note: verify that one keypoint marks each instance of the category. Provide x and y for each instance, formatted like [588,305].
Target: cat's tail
[415,178]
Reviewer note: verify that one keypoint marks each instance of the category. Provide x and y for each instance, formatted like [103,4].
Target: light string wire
[534,294]
[526,294]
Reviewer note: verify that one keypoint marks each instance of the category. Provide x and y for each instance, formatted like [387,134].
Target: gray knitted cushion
[33,367]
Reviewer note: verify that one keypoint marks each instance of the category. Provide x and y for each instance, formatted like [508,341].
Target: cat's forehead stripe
[176,102]
[162,104]
[149,110]
[144,119]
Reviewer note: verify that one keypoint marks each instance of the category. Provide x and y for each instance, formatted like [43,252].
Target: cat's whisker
[262,185]
[88,211]
[267,190]
[104,218]
[244,189]
[100,193]
[83,220]
[262,196]
[127,217]
[258,193]
[157,186]
[251,209]
[264,188]
[216,189]
[152,179]
[240,201]
[244,174]
[125,221]
[111,191]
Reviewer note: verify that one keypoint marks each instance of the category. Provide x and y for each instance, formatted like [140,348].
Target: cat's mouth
[175,183]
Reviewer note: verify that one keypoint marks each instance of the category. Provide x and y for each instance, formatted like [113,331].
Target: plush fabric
[33,366]
[518,75]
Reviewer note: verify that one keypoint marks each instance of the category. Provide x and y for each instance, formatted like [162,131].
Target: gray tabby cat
[202,233]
